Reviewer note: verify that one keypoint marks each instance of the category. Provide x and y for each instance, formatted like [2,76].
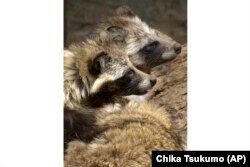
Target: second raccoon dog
[125,138]
[94,75]
[146,46]
[94,78]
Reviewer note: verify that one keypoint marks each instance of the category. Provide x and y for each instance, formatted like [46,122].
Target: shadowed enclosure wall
[168,16]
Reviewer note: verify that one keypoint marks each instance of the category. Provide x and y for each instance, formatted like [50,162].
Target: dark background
[168,16]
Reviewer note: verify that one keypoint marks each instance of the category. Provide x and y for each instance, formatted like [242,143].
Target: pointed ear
[125,11]
[118,33]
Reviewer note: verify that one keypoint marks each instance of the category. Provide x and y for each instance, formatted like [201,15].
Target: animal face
[94,71]
[146,46]
[115,75]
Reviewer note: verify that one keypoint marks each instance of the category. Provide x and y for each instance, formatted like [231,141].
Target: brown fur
[126,31]
[88,90]
[84,85]
[125,138]
[145,46]
[128,135]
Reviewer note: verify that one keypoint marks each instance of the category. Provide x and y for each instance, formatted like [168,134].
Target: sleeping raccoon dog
[125,138]
[95,79]
[146,47]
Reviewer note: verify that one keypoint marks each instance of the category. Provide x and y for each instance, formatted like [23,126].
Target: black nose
[152,82]
[177,48]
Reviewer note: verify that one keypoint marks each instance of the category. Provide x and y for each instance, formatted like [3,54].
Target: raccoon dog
[125,138]
[94,78]
[146,46]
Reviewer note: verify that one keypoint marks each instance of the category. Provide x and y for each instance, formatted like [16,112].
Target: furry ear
[125,11]
[70,69]
[75,87]
[118,33]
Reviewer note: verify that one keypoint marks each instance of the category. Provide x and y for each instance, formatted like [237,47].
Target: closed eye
[129,75]
[151,47]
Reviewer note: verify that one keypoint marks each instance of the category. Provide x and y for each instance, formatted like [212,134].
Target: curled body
[96,78]
[125,138]
[113,62]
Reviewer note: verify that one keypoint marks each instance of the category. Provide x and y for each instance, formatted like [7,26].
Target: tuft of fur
[79,124]
[75,88]
[125,138]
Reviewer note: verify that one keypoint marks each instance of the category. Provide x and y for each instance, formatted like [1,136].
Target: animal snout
[152,81]
[177,48]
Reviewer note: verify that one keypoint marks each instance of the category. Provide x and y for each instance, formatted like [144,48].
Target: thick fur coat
[96,78]
[125,138]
